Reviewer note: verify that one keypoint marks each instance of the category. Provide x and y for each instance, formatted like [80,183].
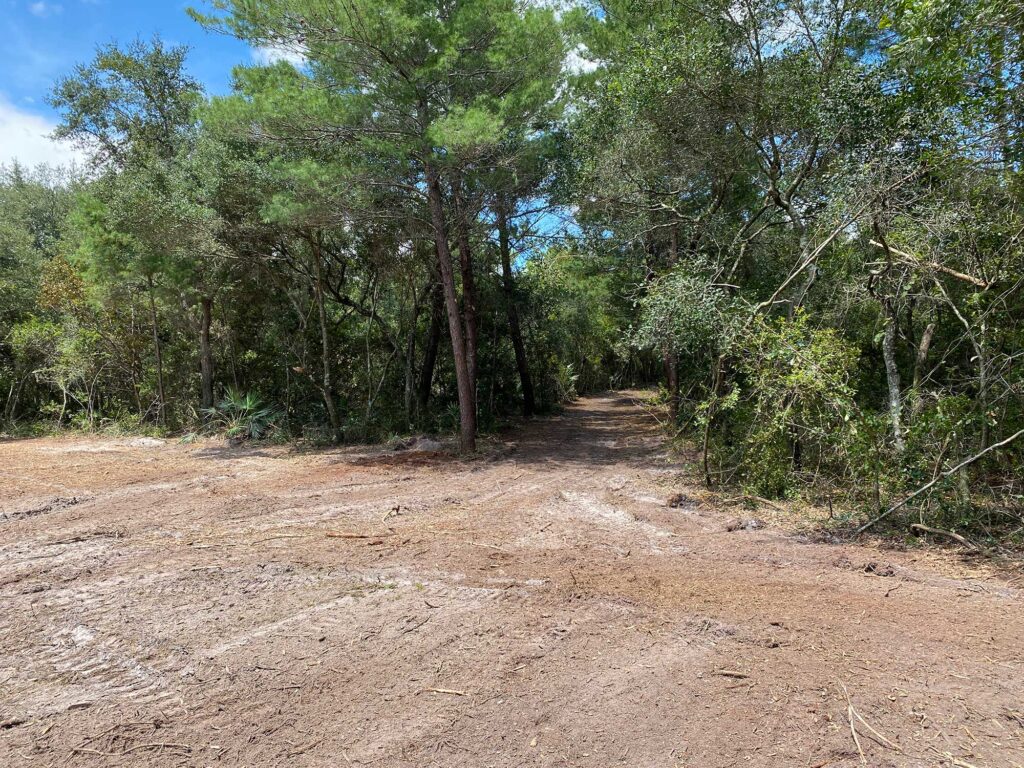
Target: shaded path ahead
[537,606]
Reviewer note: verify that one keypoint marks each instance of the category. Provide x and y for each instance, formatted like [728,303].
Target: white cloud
[577,63]
[44,10]
[558,6]
[25,137]
[270,54]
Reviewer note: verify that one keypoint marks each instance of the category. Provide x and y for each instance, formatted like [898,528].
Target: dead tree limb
[943,476]
[934,265]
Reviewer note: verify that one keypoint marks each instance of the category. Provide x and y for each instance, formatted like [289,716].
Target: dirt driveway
[169,605]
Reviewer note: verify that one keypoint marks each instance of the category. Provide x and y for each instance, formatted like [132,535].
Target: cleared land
[542,605]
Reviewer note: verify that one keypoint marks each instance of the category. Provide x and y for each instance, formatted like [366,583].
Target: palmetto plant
[243,416]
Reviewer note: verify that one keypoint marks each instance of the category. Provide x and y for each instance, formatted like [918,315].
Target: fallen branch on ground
[853,714]
[853,732]
[159,745]
[953,761]
[949,534]
[748,498]
[489,546]
[280,536]
[732,673]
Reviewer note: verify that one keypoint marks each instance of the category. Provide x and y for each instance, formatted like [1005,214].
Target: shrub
[795,401]
[243,416]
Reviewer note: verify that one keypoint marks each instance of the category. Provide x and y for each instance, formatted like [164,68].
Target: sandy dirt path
[169,605]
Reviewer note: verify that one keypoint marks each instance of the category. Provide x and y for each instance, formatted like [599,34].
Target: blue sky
[42,40]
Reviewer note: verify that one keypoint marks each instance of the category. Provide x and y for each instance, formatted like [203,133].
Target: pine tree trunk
[469,294]
[206,352]
[508,284]
[410,361]
[467,411]
[426,381]
[326,384]
[10,405]
[158,352]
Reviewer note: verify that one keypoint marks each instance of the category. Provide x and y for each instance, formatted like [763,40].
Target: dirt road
[163,604]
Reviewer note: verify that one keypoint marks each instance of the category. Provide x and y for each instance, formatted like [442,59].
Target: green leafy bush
[796,402]
[686,313]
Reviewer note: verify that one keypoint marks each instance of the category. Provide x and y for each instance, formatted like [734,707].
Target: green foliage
[243,416]
[130,103]
[796,389]
[575,319]
[63,357]
[685,313]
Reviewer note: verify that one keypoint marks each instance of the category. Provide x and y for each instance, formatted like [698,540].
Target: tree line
[801,217]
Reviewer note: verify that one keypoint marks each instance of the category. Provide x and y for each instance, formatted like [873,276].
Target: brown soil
[163,604]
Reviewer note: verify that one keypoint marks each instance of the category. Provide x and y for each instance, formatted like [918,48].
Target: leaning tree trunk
[919,362]
[514,329]
[206,352]
[467,411]
[158,352]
